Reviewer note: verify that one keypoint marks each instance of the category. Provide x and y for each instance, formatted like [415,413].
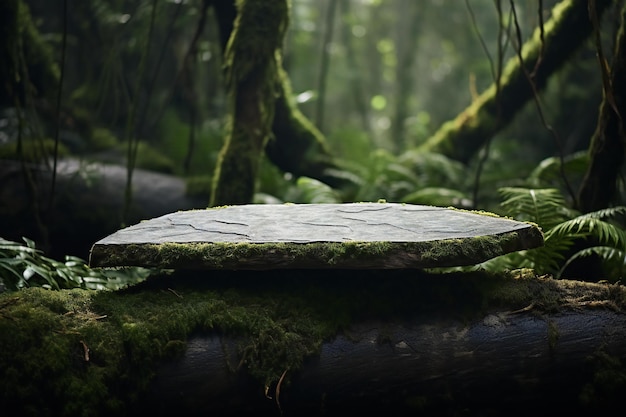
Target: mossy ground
[279,317]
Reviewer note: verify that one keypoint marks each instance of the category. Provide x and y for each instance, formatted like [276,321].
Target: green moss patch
[77,352]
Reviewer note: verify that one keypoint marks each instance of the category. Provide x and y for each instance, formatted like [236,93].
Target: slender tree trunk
[329,26]
[354,68]
[568,28]
[609,140]
[252,61]
[409,28]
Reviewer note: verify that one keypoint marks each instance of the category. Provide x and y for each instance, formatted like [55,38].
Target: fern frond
[607,213]
[586,226]
[613,259]
[544,206]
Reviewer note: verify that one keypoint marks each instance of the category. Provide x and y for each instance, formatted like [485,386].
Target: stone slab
[351,235]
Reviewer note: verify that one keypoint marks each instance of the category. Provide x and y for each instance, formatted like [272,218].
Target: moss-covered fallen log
[315,343]
[494,109]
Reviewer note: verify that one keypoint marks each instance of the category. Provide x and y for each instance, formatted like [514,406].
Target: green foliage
[412,177]
[199,186]
[563,227]
[150,158]
[438,196]
[173,141]
[546,207]
[310,190]
[32,150]
[25,266]
[548,171]
[102,139]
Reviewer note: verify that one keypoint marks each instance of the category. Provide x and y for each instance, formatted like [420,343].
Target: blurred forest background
[140,85]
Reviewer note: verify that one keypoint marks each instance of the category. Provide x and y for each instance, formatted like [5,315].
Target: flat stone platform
[315,236]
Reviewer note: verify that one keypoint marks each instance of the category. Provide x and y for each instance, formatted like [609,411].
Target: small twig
[280,381]
[523,310]
[175,293]
[85,350]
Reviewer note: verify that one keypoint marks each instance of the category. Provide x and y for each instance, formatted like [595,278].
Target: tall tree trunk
[609,140]
[568,28]
[252,62]
[297,146]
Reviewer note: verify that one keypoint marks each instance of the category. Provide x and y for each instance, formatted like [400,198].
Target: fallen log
[87,205]
[311,342]
[505,364]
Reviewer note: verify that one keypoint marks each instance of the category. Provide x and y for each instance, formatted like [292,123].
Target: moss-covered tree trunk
[568,27]
[296,145]
[609,140]
[251,60]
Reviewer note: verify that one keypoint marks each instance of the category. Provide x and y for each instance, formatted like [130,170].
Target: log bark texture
[515,364]
[317,343]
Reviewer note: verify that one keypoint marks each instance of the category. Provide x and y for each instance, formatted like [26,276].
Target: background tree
[252,59]
[550,47]
[608,144]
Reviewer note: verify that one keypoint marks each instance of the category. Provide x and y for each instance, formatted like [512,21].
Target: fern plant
[563,227]
[23,265]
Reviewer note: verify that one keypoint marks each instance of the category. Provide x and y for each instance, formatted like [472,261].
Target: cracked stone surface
[285,232]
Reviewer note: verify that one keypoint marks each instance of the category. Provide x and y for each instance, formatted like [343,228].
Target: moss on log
[567,29]
[71,353]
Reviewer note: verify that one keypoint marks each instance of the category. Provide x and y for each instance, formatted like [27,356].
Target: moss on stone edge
[353,255]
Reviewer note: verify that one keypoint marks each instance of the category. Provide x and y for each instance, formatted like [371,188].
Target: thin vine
[131,134]
[537,100]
